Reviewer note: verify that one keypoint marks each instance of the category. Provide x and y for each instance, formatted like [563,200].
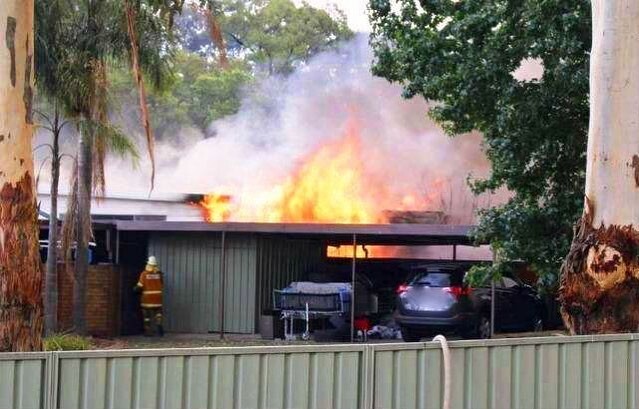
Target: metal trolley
[306,306]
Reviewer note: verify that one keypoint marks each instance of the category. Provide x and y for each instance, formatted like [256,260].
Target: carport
[230,259]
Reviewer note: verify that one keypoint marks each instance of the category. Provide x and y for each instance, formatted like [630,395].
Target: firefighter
[150,285]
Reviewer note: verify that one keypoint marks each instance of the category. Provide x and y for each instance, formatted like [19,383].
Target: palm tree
[20,272]
[55,125]
[83,40]
[51,87]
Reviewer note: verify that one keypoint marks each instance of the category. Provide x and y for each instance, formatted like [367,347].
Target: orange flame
[330,185]
[346,251]
[216,208]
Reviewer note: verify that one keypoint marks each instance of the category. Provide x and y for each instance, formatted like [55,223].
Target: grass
[67,342]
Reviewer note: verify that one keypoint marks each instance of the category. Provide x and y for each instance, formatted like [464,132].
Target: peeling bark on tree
[215,31]
[20,271]
[10,39]
[600,280]
[139,81]
[600,277]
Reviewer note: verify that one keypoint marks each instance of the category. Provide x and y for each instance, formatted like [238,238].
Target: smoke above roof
[282,120]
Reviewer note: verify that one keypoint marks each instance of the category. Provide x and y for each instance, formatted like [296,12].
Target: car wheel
[409,336]
[483,327]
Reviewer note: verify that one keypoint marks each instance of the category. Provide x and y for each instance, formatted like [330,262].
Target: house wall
[103,299]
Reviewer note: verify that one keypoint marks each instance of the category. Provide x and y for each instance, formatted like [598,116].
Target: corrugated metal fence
[24,380]
[557,372]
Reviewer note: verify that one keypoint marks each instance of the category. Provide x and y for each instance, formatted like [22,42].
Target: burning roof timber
[415,217]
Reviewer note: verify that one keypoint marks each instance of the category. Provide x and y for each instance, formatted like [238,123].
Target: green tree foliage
[75,41]
[201,91]
[462,54]
[274,34]
[279,34]
[198,94]
[216,94]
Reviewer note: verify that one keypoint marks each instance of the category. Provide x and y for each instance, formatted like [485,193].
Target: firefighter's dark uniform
[151,286]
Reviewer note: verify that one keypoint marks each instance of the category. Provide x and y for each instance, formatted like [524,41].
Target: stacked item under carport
[308,300]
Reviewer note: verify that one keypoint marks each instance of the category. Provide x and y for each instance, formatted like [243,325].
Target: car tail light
[458,291]
[402,289]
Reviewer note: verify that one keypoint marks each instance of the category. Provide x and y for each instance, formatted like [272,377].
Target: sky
[355,11]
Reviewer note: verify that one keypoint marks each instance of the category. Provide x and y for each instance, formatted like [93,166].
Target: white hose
[446,352]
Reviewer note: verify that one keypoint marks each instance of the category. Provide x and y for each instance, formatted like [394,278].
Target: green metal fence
[312,377]
[557,372]
[24,380]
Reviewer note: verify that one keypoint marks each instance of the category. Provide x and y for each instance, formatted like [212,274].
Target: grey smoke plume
[282,120]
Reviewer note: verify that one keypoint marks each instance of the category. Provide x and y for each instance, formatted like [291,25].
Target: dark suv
[436,300]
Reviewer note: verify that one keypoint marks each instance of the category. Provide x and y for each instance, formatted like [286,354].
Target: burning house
[222,275]
[330,219]
[331,163]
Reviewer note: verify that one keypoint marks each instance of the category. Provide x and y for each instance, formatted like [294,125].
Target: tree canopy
[76,43]
[199,93]
[202,91]
[274,34]
[462,55]
[72,41]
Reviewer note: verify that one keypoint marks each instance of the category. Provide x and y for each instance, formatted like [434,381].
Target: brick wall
[103,300]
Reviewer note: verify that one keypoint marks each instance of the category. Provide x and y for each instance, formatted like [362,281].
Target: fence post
[368,376]
[51,378]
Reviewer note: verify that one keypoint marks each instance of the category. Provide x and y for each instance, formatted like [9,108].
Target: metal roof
[407,234]
[134,196]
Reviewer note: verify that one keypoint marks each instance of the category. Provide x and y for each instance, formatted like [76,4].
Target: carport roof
[390,234]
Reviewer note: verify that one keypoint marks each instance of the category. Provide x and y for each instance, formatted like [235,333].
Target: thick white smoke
[283,119]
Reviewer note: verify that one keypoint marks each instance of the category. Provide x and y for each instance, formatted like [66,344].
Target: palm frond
[117,142]
[139,80]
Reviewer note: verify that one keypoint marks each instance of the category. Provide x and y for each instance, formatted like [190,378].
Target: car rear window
[438,279]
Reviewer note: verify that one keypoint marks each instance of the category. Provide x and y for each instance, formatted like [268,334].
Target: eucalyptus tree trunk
[600,277]
[51,281]
[20,271]
[83,229]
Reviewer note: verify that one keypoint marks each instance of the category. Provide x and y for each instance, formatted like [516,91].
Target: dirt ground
[183,341]
[213,340]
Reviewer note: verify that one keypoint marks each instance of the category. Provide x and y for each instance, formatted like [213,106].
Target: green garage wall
[281,261]
[192,274]
[255,266]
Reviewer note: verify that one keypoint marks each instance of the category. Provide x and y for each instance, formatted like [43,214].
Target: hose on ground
[446,352]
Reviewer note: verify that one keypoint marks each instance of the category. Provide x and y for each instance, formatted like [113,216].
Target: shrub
[66,342]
